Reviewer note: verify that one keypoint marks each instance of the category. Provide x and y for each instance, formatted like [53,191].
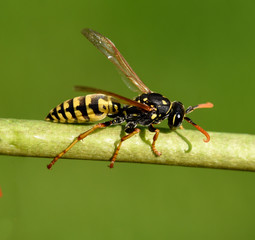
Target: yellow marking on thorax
[169,108]
[153,116]
[164,102]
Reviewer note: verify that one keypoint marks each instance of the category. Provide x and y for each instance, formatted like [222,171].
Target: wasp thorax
[176,115]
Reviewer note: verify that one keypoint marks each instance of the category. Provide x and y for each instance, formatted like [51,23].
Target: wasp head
[176,115]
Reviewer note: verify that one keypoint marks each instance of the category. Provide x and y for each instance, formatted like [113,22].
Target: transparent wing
[106,47]
[118,98]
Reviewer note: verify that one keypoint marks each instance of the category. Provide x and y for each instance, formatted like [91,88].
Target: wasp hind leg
[155,137]
[77,139]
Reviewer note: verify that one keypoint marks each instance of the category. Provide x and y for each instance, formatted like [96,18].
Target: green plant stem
[45,139]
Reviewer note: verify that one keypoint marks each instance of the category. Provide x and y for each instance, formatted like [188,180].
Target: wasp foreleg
[155,137]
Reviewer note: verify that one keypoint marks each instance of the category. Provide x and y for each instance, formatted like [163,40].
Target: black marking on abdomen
[94,104]
[55,114]
[71,108]
[62,110]
[49,117]
[82,107]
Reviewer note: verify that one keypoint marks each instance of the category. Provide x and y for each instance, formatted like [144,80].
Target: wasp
[148,109]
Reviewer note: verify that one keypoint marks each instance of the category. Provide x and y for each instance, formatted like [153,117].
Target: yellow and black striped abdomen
[90,108]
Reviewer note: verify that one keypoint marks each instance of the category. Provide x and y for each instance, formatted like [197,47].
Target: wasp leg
[77,139]
[155,137]
[136,130]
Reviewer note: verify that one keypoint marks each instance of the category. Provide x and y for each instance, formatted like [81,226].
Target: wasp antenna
[202,105]
[199,128]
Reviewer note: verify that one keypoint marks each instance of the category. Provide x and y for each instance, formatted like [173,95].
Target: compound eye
[176,115]
[177,120]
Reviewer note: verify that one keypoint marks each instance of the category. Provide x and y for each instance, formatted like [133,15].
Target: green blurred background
[191,51]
